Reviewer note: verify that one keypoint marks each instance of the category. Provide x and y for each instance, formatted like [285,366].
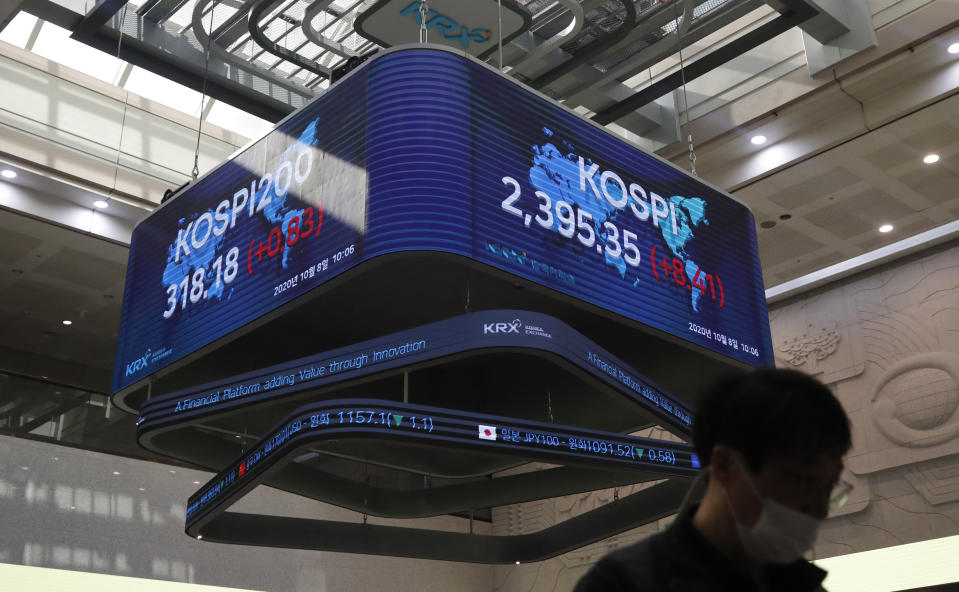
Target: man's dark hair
[770,413]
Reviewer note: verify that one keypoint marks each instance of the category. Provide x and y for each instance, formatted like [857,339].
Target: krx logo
[138,364]
[511,327]
[447,27]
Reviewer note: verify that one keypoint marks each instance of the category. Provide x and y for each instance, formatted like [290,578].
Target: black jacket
[680,559]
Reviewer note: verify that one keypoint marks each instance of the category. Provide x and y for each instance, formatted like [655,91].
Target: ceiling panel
[875,240]
[782,243]
[14,245]
[938,185]
[82,269]
[859,213]
[807,264]
[802,193]
[934,138]
[890,156]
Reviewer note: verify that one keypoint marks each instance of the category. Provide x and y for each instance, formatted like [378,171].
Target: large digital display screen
[425,149]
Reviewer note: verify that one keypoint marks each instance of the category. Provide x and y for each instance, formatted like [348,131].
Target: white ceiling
[836,201]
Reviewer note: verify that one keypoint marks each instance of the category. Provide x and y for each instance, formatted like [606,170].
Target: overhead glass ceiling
[54,43]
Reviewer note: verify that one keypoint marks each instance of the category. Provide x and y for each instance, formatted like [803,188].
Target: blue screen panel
[427,150]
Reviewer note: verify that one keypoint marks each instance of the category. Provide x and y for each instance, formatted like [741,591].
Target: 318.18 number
[193,287]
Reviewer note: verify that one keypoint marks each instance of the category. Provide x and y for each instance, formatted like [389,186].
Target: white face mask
[781,535]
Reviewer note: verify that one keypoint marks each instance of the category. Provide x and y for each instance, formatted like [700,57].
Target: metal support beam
[7,11]
[706,64]
[592,50]
[98,16]
[655,123]
[257,10]
[316,36]
[182,58]
[841,30]
[555,41]
[160,10]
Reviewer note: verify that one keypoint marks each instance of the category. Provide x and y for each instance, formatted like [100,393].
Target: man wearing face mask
[771,443]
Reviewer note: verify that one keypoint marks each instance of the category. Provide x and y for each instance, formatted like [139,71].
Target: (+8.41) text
[202,283]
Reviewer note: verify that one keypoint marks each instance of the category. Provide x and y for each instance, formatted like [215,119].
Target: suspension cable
[206,71]
[682,73]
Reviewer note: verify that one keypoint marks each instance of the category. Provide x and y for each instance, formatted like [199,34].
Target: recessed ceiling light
[954,48]
[196,482]
[116,472]
[757,140]
[67,322]
[199,536]
[7,173]
[100,203]
[141,488]
[885,228]
[930,158]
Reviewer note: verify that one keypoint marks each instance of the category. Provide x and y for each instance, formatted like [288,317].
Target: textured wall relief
[819,335]
[937,481]
[904,407]
[888,346]
[913,397]
[916,399]
[816,343]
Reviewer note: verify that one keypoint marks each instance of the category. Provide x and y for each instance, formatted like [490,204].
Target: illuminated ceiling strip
[901,567]
[913,244]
